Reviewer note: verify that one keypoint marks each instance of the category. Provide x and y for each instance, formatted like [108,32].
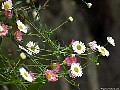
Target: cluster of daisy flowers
[74,68]
[7,7]
[80,48]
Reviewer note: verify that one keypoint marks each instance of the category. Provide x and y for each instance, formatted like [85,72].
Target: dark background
[96,23]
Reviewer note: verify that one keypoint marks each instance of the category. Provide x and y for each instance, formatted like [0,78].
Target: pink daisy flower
[70,60]
[32,75]
[8,13]
[93,45]
[51,76]
[3,30]
[18,35]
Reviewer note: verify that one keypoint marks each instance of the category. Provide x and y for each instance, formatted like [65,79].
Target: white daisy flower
[33,48]
[78,47]
[76,70]
[111,40]
[21,26]
[24,49]
[25,75]
[103,51]
[7,5]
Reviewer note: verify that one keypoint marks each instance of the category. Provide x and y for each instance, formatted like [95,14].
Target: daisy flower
[51,76]
[21,26]
[18,35]
[27,76]
[8,13]
[103,51]
[7,5]
[78,47]
[70,60]
[93,45]
[75,70]
[111,40]
[24,49]
[33,48]
[3,30]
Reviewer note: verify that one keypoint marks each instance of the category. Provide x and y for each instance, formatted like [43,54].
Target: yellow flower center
[79,47]
[49,76]
[76,69]
[6,6]
[53,65]
[32,48]
[103,51]
[20,27]
[25,74]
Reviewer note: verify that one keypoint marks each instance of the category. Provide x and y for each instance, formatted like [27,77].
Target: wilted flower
[32,75]
[21,26]
[55,67]
[33,48]
[70,60]
[111,40]
[3,30]
[8,13]
[103,51]
[78,47]
[51,76]
[18,35]
[72,41]
[7,5]
[93,45]
[27,76]
[75,70]
[34,13]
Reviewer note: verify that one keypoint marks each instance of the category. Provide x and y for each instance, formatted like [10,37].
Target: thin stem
[59,26]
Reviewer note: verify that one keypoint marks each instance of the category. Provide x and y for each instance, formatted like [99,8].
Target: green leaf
[18,2]
[35,86]
[25,13]
[95,59]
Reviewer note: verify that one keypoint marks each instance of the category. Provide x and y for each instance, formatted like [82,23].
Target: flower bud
[23,55]
[89,5]
[70,19]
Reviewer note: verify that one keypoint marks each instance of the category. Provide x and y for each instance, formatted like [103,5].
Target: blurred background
[95,23]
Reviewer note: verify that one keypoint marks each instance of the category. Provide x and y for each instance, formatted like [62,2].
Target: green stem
[59,26]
